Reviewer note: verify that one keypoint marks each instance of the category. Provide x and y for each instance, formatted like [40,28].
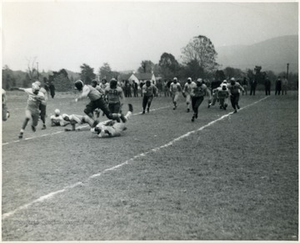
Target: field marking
[52,194]
[80,127]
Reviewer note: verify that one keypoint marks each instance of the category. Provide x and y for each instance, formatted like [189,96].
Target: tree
[61,80]
[8,79]
[201,51]
[169,66]
[146,67]
[231,72]
[32,72]
[193,70]
[105,72]
[87,74]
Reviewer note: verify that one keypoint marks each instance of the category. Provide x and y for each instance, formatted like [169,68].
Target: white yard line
[50,134]
[52,194]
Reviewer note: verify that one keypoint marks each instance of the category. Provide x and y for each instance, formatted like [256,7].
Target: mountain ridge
[272,54]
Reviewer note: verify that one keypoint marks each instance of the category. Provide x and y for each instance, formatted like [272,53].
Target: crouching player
[57,119]
[112,128]
[77,119]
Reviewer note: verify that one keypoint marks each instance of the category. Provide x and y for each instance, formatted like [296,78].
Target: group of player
[37,102]
[195,91]
[109,97]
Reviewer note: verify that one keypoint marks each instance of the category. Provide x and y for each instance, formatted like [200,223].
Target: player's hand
[76,100]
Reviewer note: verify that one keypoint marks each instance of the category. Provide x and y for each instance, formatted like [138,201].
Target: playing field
[224,177]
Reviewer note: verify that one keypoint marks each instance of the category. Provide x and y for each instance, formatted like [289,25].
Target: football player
[96,101]
[175,90]
[112,128]
[148,93]
[187,89]
[77,119]
[57,119]
[234,91]
[32,110]
[199,90]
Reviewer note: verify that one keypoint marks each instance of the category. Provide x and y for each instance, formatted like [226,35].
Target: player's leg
[188,102]
[149,103]
[25,122]
[43,115]
[144,104]
[35,119]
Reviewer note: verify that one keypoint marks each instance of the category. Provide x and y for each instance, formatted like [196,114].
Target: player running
[187,89]
[32,110]
[175,90]
[148,93]
[234,90]
[112,128]
[96,101]
[199,90]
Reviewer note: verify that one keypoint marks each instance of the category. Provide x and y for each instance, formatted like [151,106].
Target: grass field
[224,177]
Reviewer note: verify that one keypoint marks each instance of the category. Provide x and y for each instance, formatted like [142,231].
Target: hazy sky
[61,34]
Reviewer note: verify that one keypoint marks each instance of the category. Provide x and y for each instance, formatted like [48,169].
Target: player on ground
[57,119]
[77,119]
[148,93]
[187,89]
[32,109]
[199,90]
[96,101]
[112,128]
[234,90]
[175,90]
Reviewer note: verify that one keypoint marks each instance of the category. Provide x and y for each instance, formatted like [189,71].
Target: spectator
[52,90]
[278,86]
[253,84]
[135,89]
[267,86]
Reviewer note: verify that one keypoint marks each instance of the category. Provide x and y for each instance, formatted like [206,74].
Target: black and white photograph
[150,120]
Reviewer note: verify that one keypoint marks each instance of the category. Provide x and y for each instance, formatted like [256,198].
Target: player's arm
[84,94]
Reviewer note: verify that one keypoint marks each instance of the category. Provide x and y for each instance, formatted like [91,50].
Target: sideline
[80,127]
[52,194]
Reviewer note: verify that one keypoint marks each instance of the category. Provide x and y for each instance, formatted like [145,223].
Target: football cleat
[143,112]
[238,106]
[44,127]
[21,135]
[148,109]
[33,128]
[193,119]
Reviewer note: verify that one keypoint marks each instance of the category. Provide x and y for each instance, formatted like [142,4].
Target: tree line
[198,60]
